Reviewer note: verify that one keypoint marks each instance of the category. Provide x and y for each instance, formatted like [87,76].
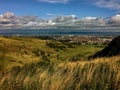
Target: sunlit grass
[33,64]
[99,74]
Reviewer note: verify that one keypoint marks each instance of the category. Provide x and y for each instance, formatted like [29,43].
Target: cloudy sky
[49,8]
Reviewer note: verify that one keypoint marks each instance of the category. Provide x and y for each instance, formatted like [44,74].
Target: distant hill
[113,49]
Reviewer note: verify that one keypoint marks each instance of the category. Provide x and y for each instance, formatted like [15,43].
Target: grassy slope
[99,74]
[41,71]
[19,51]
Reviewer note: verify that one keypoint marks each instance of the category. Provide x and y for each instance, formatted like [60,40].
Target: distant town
[85,40]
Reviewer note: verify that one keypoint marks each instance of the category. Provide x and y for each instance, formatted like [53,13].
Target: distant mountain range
[10,20]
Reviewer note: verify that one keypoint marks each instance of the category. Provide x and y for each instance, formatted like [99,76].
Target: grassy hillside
[37,64]
[18,51]
[113,49]
[99,74]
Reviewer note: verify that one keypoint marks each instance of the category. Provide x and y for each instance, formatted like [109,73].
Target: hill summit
[112,49]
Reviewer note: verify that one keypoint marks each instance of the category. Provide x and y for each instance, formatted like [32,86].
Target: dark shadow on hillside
[113,49]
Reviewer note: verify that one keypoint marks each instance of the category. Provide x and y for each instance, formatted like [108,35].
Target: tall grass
[98,74]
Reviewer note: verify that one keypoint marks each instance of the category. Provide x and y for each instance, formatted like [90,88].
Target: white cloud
[54,1]
[111,4]
[49,14]
[73,15]
[90,18]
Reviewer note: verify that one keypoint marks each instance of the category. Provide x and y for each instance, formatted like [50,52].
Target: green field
[20,51]
[38,64]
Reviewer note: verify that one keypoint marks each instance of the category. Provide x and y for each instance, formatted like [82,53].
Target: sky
[51,8]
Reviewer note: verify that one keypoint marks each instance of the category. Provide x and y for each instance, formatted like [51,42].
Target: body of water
[58,32]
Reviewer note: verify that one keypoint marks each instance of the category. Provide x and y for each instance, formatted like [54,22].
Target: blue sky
[49,8]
